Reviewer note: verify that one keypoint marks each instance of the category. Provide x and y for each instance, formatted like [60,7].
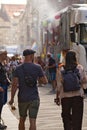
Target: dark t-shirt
[52,62]
[28,93]
[3,77]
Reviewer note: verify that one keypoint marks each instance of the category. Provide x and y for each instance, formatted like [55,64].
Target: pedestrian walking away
[25,80]
[70,92]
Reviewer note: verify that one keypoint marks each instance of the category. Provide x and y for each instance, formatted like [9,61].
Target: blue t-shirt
[28,93]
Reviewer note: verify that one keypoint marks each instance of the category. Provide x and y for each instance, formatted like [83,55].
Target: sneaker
[3,126]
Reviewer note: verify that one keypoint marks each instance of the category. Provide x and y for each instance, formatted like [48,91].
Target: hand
[57,101]
[46,67]
[1,89]
[11,102]
[13,107]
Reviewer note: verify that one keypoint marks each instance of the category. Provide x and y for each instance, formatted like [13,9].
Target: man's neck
[27,61]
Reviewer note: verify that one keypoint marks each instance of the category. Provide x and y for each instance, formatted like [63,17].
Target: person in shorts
[28,96]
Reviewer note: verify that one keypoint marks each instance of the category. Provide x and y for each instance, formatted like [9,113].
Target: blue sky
[13,1]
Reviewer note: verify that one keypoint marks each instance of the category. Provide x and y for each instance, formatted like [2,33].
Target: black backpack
[71,80]
[28,79]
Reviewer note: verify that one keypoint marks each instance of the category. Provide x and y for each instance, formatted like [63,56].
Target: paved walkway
[9,119]
[49,116]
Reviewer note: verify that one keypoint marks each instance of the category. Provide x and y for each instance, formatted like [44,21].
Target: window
[83,34]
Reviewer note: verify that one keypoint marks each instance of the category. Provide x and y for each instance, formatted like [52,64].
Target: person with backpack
[70,79]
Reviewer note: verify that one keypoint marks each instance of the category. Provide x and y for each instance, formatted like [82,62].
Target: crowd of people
[27,73]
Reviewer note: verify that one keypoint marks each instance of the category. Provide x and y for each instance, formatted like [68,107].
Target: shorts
[31,108]
[52,76]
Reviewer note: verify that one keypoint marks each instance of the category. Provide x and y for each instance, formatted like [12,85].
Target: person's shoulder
[80,45]
[19,66]
[80,67]
[36,65]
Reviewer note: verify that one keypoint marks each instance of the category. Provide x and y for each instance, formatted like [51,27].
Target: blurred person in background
[52,70]
[81,58]
[42,63]
[4,83]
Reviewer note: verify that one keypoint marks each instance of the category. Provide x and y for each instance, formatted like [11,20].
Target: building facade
[4,27]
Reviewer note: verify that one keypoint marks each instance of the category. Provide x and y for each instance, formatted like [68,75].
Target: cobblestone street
[49,116]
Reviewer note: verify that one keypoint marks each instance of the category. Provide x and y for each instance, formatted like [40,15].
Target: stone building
[45,9]
[25,28]
[4,27]
[9,19]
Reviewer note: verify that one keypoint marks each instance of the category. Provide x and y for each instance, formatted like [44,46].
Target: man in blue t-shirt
[28,96]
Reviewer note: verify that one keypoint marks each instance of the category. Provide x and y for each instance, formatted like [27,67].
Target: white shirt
[81,54]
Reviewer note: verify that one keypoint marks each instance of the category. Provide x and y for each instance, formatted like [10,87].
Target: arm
[41,76]
[59,84]
[83,74]
[57,99]
[51,66]
[13,89]
[1,89]
[43,80]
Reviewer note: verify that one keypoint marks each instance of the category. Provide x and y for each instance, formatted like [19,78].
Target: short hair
[27,52]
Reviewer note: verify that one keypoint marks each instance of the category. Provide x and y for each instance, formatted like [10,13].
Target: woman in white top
[71,102]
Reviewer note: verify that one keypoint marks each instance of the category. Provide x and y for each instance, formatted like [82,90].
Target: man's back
[28,96]
[27,93]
